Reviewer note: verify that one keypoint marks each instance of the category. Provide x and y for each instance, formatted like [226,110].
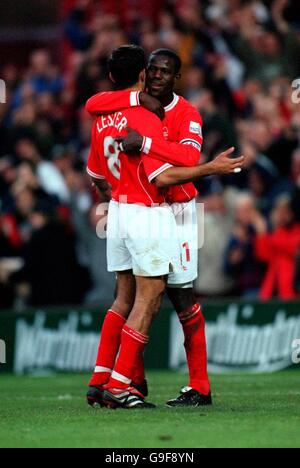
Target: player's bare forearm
[103,188]
[222,165]
[183,175]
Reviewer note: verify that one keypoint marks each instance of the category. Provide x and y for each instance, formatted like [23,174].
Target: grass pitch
[248,411]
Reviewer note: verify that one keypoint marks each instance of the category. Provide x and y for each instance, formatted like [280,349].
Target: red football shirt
[130,177]
[182,127]
[183,124]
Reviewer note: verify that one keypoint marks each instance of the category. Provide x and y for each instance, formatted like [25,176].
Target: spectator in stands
[48,176]
[297,274]
[217,227]
[43,77]
[267,53]
[240,261]
[218,130]
[279,249]
[10,244]
[239,59]
[51,268]
[295,169]
[86,216]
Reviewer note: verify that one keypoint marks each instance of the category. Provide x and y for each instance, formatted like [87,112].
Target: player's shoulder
[142,116]
[140,110]
[187,109]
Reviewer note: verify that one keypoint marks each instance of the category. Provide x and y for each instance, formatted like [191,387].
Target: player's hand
[82,4]
[224,164]
[152,104]
[132,143]
[259,222]
[278,7]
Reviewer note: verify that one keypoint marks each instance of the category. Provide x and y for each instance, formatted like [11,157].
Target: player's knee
[122,307]
[151,294]
[156,306]
[182,299]
[155,302]
[149,306]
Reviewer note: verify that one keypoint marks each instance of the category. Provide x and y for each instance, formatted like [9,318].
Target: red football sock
[132,349]
[109,345]
[193,324]
[139,371]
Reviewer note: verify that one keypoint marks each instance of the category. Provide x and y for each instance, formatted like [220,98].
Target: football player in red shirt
[182,124]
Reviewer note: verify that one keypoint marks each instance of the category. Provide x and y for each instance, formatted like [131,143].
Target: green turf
[248,411]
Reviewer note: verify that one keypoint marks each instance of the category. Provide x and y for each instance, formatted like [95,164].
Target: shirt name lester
[116,120]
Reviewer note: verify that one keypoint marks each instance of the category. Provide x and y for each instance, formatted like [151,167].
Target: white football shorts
[187,233]
[142,239]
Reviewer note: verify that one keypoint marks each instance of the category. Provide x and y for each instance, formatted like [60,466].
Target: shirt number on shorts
[186,247]
[111,152]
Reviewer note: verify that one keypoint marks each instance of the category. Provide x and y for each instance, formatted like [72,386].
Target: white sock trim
[115,375]
[99,369]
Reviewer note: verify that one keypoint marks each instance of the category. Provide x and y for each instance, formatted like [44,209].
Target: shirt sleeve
[185,153]
[113,101]
[94,166]
[154,167]
[190,131]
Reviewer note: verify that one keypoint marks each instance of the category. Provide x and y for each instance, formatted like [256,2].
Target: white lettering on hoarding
[296,93]
[2,352]
[2,92]
[64,348]
[235,347]
[296,351]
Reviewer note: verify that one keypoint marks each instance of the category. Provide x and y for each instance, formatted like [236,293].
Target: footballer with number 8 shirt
[133,246]
[182,125]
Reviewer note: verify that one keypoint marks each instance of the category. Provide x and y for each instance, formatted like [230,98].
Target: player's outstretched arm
[221,165]
[115,101]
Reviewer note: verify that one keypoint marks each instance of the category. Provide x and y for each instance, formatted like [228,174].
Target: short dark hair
[125,65]
[171,54]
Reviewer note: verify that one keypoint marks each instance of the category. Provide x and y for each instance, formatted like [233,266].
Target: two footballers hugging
[144,158]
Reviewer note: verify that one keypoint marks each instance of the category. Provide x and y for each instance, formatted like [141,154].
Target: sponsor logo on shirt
[195,127]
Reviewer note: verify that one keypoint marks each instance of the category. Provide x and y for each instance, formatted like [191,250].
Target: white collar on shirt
[173,103]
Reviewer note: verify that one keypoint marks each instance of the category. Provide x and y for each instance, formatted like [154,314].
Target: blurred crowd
[239,61]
